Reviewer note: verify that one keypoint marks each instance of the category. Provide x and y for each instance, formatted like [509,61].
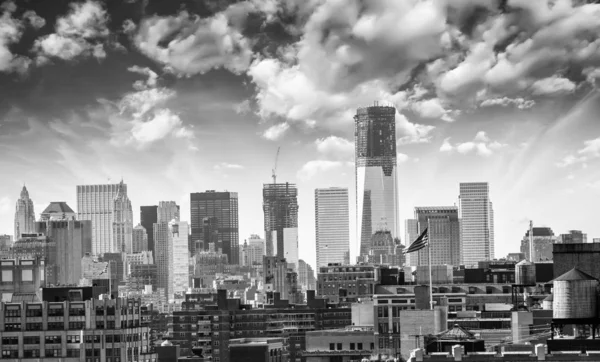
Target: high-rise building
[24,215]
[73,239]
[179,257]
[215,215]
[58,210]
[162,255]
[280,206]
[476,223]
[306,275]
[139,239]
[376,175]
[256,250]
[148,217]
[411,233]
[332,221]
[573,237]
[444,235]
[5,242]
[543,242]
[167,211]
[122,222]
[97,204]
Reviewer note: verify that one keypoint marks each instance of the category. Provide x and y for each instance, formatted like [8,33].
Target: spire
[24,192]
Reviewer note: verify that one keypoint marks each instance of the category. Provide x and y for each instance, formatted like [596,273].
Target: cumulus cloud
[242,107]
[519,103]
[80,33]
[553,86]
[187,44]
[149,83]
[11,30]
[335,148]
[34,19]
[480,145]
[590,151]
[275,132]
[316,167]
[401,157]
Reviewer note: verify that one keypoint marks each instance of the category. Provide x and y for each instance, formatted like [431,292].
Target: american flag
[418,244]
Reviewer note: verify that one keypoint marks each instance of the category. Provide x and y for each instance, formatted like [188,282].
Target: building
[122,222]
[581,256]
[280,207]
[37,246]
[206,265]
[180,264]
[382,249]
[411,233]
[73,239]
[20,276]
[444,235]
[573,237]
[5,242]
[258,349]
[476,223]
[306,276]
[543,240]
[332,220]
[256,250]
[290,247]
[215,214]
[167,211]
[139,239]
[97,204]
[355,281]
[149,217]
[376,174]
[68,325]
[163,257]
[58,210]
[353,343]
[24,215]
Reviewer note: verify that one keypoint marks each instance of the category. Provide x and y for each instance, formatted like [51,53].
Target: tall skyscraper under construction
[376,175]
[280,206]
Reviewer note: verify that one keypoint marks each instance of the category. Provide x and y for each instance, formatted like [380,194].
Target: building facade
[215,214]
[280,207]
[139,239]
[178,232]
[573,237]
[162,256]
[376,174]
[58,210]
[411,233]
[306,276]
[122,222]
[167,211]
[148,217]
[256,250]
[476,223]
[332,222]
[24,215]
[96,203]
[444,235]
[543,240]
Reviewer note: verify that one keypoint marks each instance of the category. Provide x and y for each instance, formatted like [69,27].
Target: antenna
[531,247]
[274,170]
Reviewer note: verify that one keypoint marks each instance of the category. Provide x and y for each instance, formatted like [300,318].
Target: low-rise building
[258,350]
[352,343]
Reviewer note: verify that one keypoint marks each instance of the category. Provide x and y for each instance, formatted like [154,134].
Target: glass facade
[477,223]
[332,225]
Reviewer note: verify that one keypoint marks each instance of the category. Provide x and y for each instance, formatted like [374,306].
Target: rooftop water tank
[525,273]
[575,294]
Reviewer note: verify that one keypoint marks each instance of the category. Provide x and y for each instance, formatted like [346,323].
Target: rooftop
[573,275]
[58,207]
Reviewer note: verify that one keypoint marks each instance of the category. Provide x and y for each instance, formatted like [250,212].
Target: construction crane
[274,170]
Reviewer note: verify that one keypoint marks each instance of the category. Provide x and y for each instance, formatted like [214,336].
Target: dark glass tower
[148,217]
[214,215]
[280,205]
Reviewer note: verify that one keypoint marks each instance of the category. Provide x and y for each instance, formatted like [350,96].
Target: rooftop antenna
[531,248]
[274,170]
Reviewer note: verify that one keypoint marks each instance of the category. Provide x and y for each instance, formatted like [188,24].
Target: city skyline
[475,102]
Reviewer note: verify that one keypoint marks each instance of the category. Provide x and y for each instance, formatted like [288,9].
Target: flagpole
[429,263]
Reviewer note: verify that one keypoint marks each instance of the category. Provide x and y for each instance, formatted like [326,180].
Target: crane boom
[274,170]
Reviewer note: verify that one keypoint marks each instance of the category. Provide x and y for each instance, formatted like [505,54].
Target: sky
[185,96]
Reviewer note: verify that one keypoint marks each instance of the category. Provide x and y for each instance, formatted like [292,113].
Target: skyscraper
[167,211]
[58,210]
[476,223]
[376,175]
[24,215]
[96,203]
[256,250]
[332,220]
[543,242]
[122,222]
[140,239]
[179,256]
[280,206]
[411,233]
[217,211]
[148,217]
[163,246]
[444,235]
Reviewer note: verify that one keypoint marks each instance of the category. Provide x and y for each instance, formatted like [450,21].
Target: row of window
[353,346]
[36,353]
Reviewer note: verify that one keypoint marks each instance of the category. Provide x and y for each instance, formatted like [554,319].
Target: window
[10,340]
[12,326]
[352,346]
[339,346]
[71,352]
[56,310]
[34,311]
[332,346]
[31,340]
[13,353]
[12,311]
[33,326]
[108,338]
[53,353]
[372,346]
[31,353]
[76,325]
[53,339]
[27,275]
[77,310]
[73,338]
[360,346]
[110,324]
[99,324]
[56,326]
[7,276]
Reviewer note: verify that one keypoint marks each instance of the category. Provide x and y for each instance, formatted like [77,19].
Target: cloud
[242,107]
[187,44]
[481,145]
[36,21]
[317,167]
[432,108]
[227,166]
[590,151]
[401,157]
[335,148]
[553,86]
[80,33]
[520,103]
[163,122]
[149,83]
[275,132]
[409,133]
[11,30]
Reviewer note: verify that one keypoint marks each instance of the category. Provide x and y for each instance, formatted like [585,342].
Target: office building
[411,233]
[573,237]
[139,239]
[58,210]
[383,250]
[167,211]
[214,218]
[280,207]
[97,204]
[476,222]
[39,246]
[73,239]
[163,257]
[256,249]
[20,276]
[122,222]
[444,235]
[149,217]
[24,215]
[258,349]
[375,172]
[306,276]
[178,232]
[5,242]
[290,247]
[543,240]
[332,220]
